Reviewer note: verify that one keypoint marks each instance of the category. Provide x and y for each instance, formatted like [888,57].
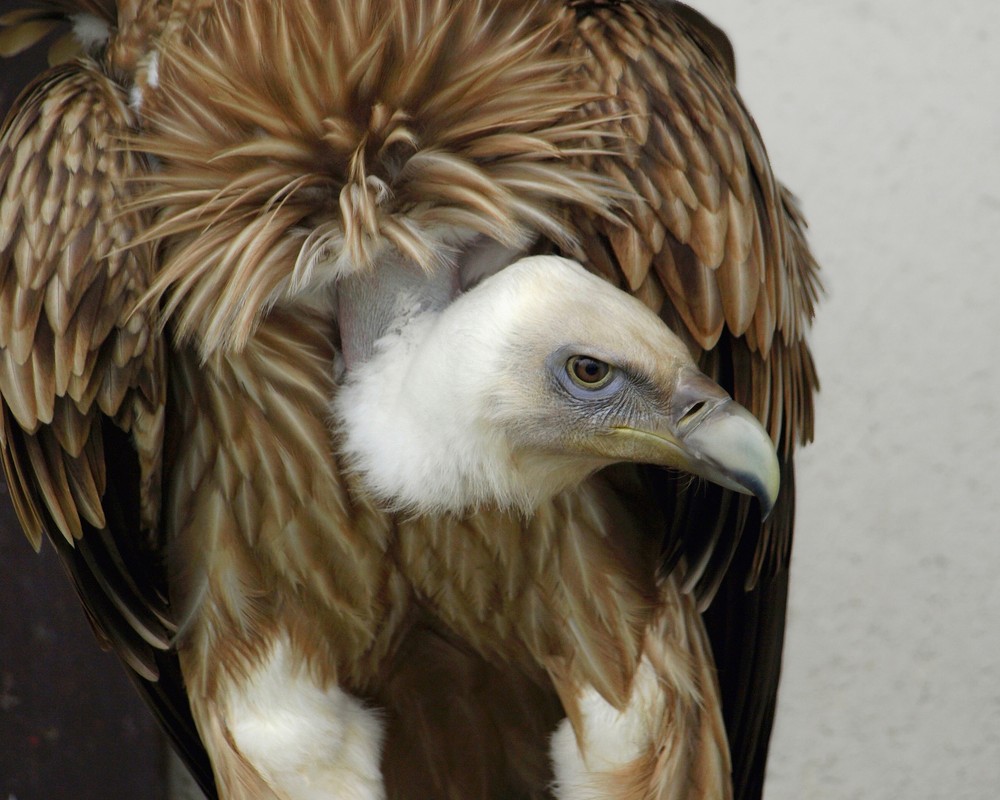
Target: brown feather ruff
[412,121]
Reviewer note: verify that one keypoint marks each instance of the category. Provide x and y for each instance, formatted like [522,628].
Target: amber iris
[588,372]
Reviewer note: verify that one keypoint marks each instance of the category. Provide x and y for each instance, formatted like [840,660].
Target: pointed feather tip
[34,537]
[20,34]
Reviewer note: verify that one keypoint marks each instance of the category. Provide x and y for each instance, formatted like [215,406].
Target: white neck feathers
[412,420]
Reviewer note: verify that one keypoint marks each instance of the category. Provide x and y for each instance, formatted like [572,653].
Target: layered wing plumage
[82,374]
[72,351]
[714,243]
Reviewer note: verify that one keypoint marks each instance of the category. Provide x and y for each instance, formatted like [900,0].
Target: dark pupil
[590,370]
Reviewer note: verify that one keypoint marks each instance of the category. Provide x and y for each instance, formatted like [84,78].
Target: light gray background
[884,117]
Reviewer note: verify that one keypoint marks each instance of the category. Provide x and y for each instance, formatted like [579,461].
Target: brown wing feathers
[724,241]
[707,220]
[69,279]
[69,353]
[81,375]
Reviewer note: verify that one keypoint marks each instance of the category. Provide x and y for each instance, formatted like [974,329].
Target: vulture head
[526,384]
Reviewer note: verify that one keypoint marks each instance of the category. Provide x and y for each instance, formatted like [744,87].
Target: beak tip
[763,484]
[767,503]
[769,490]
[740,453]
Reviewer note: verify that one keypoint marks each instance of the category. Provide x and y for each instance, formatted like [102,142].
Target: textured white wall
[884,117]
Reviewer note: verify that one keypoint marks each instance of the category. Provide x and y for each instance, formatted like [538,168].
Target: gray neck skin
[371,301]
[368,303]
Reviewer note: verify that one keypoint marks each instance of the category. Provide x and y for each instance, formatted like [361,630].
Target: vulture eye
[587,372]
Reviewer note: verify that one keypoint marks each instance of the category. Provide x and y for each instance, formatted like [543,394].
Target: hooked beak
[705,432]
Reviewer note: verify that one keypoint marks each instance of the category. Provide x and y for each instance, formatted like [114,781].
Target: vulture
[410,387]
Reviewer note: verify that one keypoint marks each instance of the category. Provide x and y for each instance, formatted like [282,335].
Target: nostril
[692,412]
[695,398]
